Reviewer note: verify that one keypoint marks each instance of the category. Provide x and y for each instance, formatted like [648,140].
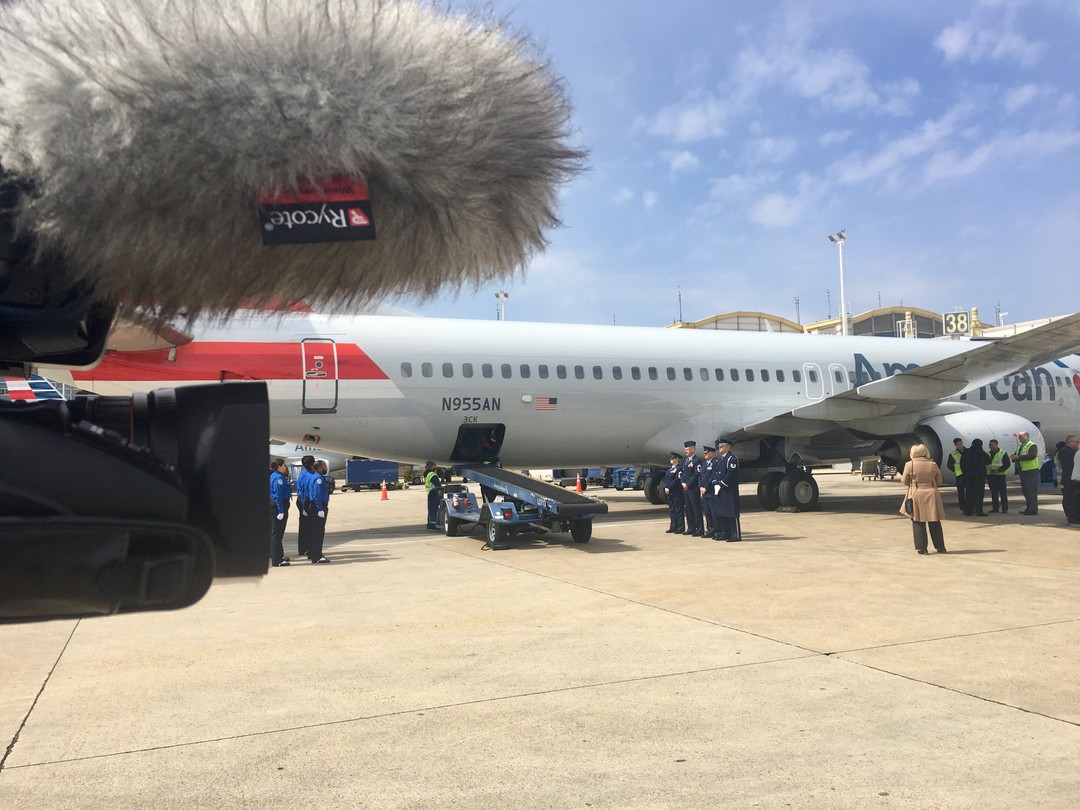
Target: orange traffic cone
[578,487]
[384,496]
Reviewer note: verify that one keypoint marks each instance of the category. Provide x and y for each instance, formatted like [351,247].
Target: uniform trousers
[998,495]
[277,534]
[303,533]
[694,522]
[1069,491]
[918,528]
[1029,485]
[708,515]
[316,534]
[960,489]
[676,505]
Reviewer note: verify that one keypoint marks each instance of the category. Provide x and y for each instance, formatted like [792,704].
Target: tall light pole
[839,238]
[501,297]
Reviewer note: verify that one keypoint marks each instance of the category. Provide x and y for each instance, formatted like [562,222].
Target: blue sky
[728,139]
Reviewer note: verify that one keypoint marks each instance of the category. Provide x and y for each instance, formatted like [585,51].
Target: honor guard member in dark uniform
[996,477]
[316,502]
[691,469]
[954,467]
[973,464]
[676,500]
[279,510]
[726,495]
[709,468]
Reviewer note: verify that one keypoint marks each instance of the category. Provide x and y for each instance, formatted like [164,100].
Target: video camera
[181,157]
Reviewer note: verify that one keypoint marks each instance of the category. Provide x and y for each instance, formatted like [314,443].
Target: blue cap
[690,443]
[708,449]
[722,441]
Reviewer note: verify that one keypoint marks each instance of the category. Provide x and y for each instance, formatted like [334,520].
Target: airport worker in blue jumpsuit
[676,500]
[709,469]
[279,510]
[318,505]
[303,520]
[726,487]
[690,470]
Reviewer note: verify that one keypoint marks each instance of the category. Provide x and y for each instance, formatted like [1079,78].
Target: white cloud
[1017,97]
[771,150]
[649,199]
[622,195]
[776,211]
[682,161]
[963,40]
[834,138]
[734,185]
[691,120]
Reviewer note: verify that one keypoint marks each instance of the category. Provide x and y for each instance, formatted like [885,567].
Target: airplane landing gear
[654,488]
[795,489]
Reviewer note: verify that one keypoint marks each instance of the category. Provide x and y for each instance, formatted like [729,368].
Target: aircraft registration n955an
[557,395]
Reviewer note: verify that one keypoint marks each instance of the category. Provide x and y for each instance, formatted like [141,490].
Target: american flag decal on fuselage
[20,389]
[547,403]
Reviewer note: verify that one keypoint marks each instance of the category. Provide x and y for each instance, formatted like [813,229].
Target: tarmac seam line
[955,691]
[416,710]
[948,638]
[37,697]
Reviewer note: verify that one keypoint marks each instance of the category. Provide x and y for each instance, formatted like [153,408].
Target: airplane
[534,395]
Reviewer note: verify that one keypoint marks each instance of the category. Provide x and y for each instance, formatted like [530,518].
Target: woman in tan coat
[922,477]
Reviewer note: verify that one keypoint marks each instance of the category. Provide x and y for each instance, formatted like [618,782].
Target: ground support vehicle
[370,474]
[511,504]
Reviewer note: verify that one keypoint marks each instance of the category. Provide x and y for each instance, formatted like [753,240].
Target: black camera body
[115,504]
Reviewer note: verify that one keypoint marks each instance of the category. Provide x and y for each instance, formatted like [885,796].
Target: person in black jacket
[691,470]
[973,464]
[1067,458]
[676,501]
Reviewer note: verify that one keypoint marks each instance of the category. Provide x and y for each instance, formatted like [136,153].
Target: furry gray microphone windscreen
[201,155]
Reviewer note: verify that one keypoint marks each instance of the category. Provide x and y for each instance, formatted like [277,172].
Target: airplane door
[812,381]
[320,393]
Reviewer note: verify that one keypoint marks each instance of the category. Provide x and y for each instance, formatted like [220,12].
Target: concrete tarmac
[819,663]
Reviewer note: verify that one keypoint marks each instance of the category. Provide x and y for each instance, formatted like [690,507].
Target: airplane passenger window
[719,375]
[670,373]
[837,375]
[635,372]
[579,372]
[406,369]
[542,371]
[616,372]
[796,376]
[486,370]
[448,369]
[425,369]
[688,374]
[506,371]
[560,372]
[597,373]
[779,375]
[525,371]
[1058,380]
[749,375]
[734,375]
[652,373]
[704,374]
[466,369]
[764,375]
[851,377]
[813,376]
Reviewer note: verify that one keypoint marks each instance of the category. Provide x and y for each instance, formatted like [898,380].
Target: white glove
[716,489]
[280,515]
[322,514]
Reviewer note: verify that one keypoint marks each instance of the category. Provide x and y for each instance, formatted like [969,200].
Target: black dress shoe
[734,540]
[719,539]
[670,531]
[922,551]
[695,534]
[940,551]
[992,511]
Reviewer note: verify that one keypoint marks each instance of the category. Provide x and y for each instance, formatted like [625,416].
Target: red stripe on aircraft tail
[211,362]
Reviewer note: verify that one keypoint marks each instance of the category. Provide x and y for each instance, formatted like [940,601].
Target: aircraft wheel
[581,531]
[450,525]
[654,488]
[768,490]
[799,490]
[619,489]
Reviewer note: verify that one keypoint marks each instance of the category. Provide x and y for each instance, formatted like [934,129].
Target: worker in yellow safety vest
[954,467]
[995,477]
[1027,463]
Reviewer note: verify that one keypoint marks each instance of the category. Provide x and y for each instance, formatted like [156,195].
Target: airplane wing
[132,333]
[913,389]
